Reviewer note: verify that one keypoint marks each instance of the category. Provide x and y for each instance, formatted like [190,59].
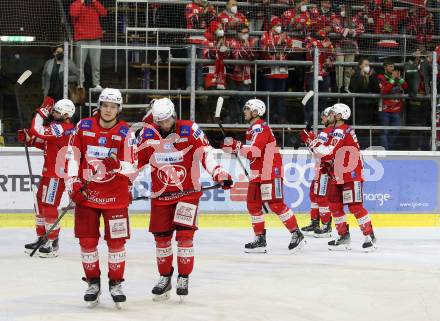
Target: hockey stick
[24,76]
[181,193]
[218,110]
[60,217]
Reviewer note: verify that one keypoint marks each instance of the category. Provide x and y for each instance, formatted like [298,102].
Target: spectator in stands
[198,15]
[87,31]
[321,18]
[276,45]
[386,21]
[214,47]
[418,73]
[297,20]
[390,83]
[230,17]
[258,15]
[349,26]
[326,64]
[420,24]
[242,48]
[364,81]
[52,78]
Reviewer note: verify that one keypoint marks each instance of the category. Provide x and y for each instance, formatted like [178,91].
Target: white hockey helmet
[65,106]
[326,112]
[342,109]
[256,105]
[111,95]
[162,109]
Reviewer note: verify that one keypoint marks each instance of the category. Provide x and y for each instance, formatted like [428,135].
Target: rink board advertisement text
[394,184]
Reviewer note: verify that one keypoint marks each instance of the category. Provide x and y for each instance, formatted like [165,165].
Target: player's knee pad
[48,211]
[115,244]
[88,242]
[278,207]
[254,206]
[336,208]
[163,239]
[185,237]
[357,209]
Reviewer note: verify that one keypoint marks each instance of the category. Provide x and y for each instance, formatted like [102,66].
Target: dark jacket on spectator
[418,75]
[365,108]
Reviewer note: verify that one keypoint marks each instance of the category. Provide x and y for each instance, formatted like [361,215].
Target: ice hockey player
[343,152]
[318,189]
[50,138]
[266,177]
[104,146]
[174,149]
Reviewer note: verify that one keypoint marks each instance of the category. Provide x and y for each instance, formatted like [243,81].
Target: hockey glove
[111,164]
[221,176]
[46,107]
[306,136]
[76,194]
[23,136]
[231,145]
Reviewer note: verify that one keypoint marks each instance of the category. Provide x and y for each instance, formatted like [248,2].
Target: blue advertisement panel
[391,186]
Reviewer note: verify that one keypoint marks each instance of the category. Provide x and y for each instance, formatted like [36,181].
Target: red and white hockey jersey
[175,160]
[263,153]
[198,17]
[50,139]
[88,147]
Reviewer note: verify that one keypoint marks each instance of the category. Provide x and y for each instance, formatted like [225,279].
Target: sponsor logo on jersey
[168,146]
[323,137]
[98,151]
[172,175]
[52,191]
[276,171]
[168,158]
[102,141]
[86,124]
[69,132]
[57,130]
[181,140]
[123,131]
[184,131]
[116,137]
[197,133]
[90,134]
[148,133]
[338,134]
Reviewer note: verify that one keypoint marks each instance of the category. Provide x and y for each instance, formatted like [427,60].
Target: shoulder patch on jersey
[256,128]
[184,131]
[148,133]
[69,132]
[57,129]
[338,133]
[349,129]
[85,124]
[123,131]
[197,131]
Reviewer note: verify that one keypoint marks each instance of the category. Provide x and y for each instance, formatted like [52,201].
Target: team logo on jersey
[172,175]
[184,131]
[102,141]
[86,124]
[148,133]
[123,131]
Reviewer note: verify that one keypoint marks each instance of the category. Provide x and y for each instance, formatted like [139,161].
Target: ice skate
[93,292]
[342,243]
[182,287]
[258,245]
[369,244]
[29,247]
[49,249]
[162,289]
[115,288]
[297,241]
[309,230]
[324,231]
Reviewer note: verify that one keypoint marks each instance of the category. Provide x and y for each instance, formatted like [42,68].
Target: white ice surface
[399,282]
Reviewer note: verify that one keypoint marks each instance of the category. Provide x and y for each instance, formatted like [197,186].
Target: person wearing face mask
[53,74]
[277,45]
[321,18]
[242,48]
[198,15]
[297,19]
[231,18]
[349,26]
[364,81]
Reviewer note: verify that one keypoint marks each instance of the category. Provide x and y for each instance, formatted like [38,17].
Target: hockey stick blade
[24,76]
[307,97]
[218,108]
